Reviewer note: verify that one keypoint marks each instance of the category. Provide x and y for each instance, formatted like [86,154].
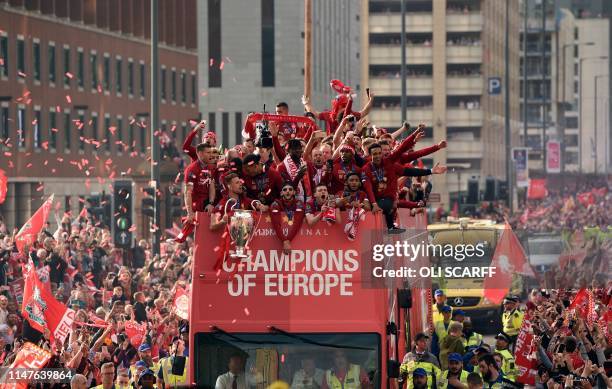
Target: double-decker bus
[274,312]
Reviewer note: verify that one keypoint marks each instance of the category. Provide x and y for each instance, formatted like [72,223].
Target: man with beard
[294,169]
[419,379]
[342,167]
[455,377]
[491,375]
[320,206]
[318,172]
[420,358]
[290,210]
[235,198]
[260,183]
[199,183]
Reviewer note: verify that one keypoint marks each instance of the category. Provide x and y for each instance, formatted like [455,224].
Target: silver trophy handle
[229,200]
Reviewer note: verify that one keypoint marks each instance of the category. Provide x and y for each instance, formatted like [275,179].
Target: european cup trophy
[241,229]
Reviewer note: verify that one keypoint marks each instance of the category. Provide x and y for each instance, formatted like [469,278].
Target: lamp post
[595,100]
[403,69]
[580,106]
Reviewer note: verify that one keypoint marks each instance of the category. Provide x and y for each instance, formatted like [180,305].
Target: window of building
[131,140]
[119,131]
[4,58]
[143,79]
[51,58]
[130,77]
[21,126]
[36,127]
[94,127]
[5,128]
[143,137]
[173,85]
[107,129]
[183,87]
[238,126]
[67,130]
[267,43]
[36,59]
[67,66]
[162,83]
[119,75]
[81,127]
[194,88]
[21,55]
[93,65]
[106,74]
[52,129]
[225,127]
[81,68]
[214,43]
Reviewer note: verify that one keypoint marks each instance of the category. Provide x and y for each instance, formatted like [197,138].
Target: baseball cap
[511,299]
[456,357]
[419,371]
[146,372]
[439,292]
[458,312]
[141,364]
[144,347]
[482,350]
[446,308]
[421,335]
[503,336]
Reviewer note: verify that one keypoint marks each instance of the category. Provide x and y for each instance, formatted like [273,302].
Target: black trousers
[386,204]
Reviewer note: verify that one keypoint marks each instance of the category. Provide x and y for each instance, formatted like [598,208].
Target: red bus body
[353,306]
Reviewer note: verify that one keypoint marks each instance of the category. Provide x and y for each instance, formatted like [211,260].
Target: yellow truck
[465,292]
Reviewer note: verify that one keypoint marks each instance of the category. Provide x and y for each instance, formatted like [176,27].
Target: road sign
[494,86]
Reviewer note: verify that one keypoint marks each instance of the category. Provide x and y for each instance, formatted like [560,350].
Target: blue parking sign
[494,85]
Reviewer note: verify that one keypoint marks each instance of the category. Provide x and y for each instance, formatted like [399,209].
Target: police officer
[501,347]
[470,337]
[491,375]
[420,380]
[436,309]
[420,358]
[144,352]
[441,329]
[455,377]
[165,378]
[512,318]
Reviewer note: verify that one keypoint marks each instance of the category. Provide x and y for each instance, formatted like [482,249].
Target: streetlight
[595,115]
[602,57]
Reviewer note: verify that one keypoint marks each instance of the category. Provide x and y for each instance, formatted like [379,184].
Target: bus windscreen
[305,361]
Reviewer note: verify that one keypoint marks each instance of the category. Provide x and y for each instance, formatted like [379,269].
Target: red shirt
[294,210]
[339,172]
[201,176]
[243,203]
[359,196]
[331,124]
[265,186]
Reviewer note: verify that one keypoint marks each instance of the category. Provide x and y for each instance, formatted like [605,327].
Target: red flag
[29,357]
[3,186]
[135,332]
[27,234]
[537,189]
[580,298]
[42,310]
[181,303]
[586,198]
[508,259]
[83,213]
[527,365]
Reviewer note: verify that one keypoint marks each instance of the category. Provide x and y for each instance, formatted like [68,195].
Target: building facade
[75,96]
[254,56]
[455,72]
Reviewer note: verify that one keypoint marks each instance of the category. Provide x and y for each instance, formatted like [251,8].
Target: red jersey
[201,176]
[331,124]
[243,202]
[348,197]
[265,186]
[294,211]
[339,172]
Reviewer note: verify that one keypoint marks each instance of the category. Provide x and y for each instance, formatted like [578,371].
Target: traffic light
[99,209]
[174,204]
[148,202]
[122,213]
[472,196]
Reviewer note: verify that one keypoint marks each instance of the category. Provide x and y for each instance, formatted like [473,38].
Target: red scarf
[292,169]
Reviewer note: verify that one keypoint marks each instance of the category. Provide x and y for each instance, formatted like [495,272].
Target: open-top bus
[275,310]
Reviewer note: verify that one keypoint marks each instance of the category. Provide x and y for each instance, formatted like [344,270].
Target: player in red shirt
[295,169]
[209,138]
[235,198]
[321,206]
[199,193]
[293,210]
[352,195]
[262,184]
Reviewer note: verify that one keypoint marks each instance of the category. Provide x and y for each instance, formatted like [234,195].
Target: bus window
[304,361]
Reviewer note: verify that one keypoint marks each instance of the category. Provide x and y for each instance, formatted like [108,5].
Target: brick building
[74,95]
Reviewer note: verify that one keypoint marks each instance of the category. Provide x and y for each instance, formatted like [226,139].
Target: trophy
[330,214]
[241,229]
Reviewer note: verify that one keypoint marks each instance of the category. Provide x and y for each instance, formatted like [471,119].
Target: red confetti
[112,129]
[29,165]
[1,61]
[40,188]
[58,109]
[99,88]
[69,75]
[54,130]
[132,228]
[22,74]
[211,62]
[45,145]
[246,311]
[192,123]
[8,153]
[68,99]
[222,65]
